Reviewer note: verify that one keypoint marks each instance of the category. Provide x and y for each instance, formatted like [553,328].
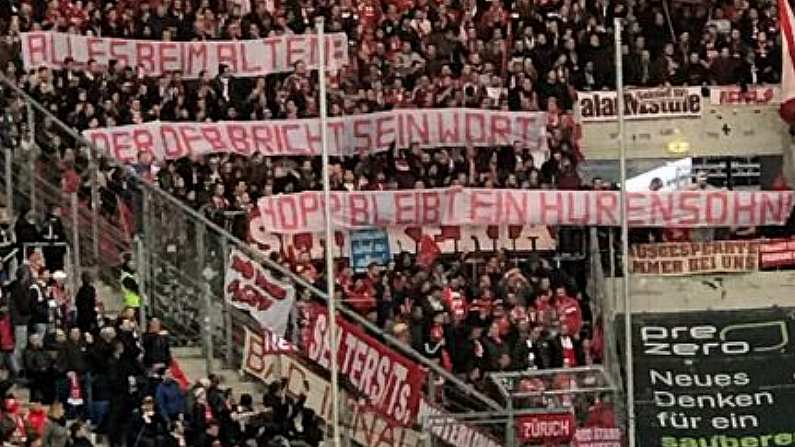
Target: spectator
[55,432]
[170,398]
[157,353]
[86,304]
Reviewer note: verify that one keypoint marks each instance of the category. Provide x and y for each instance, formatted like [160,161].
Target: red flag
[787,23]
[179,375]
[428,251]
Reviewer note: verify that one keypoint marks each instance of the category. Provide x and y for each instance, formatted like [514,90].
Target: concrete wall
[710,292]
[720,131]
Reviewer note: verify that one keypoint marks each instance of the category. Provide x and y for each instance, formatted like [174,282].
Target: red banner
[348,135]
[777,253]
[393,383]
[256,57]
[598,437]
[546,428]
[303,212]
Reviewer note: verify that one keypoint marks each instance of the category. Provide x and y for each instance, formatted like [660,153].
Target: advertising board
[715,378]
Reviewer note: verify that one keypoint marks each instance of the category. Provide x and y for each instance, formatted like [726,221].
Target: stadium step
[193,364]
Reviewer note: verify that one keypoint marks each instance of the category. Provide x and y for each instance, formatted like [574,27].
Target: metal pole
[332,313]
[94,170]
[510,426]
[76,232]
[139,256]
[8,154]
[628,369]
[227,308]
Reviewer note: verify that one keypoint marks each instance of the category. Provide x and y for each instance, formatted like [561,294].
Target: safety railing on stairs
[109,210]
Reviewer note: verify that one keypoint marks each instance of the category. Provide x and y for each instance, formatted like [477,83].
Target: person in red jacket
[569,311]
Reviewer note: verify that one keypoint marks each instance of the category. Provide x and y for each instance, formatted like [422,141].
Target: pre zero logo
[706,340]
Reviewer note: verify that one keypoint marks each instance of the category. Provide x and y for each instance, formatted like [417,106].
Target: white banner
[367,427]
[349,135]
[245,58]
[752,95]
[642,103]
[450,240]
[249,287]
[303,212]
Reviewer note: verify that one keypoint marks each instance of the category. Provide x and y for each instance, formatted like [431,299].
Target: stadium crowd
[505,55]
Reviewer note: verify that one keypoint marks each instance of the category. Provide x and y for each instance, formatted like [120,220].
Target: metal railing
[181,254]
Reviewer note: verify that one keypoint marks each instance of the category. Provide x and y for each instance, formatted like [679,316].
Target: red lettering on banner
[480,203]
[720,217]
[238,138]
[308,204]
[384,128]
[606,208]
[336,129]
[121,144]
[500,130]
[528,125]
[189,134]
[295,50]
[171,142]
[288,144]
[636,208]
[244,66]
[431,203]
[338,54]
[145,56]
[312,46]
[359,214]
[265,207]
[54,50]
[662,208]
[264,136]
[417,128]
[212,135]
[689,205]
[270,43]
[99,139]
[404,209]
[452,215]
[313,140]
[475,127]
[547,207]
[143,141]
[288,202]
[168,55]
[748,209]
[196,57]
[448,134]
[573,206]
[120,56]
[336,206]
[95,49]
[227,55]
[776,207]
[361,131]
[515,201]
[37,48]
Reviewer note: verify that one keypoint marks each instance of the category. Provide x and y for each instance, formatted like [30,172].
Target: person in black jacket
[26,231]
[148,428]
[20,308]
[99,356]
[52,232]
[157,353]
[86,303]
[39,369]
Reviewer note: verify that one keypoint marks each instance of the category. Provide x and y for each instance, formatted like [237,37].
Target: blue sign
[369,246]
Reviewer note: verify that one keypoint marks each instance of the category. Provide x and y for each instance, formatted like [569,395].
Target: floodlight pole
[331,334]
[628,367]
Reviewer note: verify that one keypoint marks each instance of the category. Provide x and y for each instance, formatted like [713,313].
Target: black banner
[715,379]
